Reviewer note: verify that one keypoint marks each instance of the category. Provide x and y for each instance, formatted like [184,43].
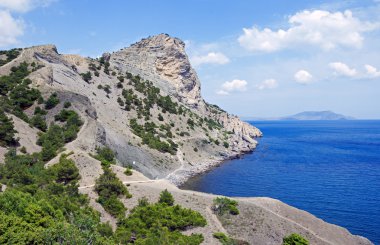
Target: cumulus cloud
[268,84]
[10,28]
[23,5]
[320,28]
[303,77]
[342,69]
[231,86]
[372,71]
[210,58]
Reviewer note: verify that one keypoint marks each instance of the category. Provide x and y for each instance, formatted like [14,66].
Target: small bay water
[328,168]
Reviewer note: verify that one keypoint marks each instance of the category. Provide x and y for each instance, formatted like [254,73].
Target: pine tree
[7,131]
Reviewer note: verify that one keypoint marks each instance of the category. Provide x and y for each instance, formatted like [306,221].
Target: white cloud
[303,77]
[210,58]
[231,86]
[320,28]
[10,28]
[222,92]
[342,69]
[23,5]
[268,84]
[372,71]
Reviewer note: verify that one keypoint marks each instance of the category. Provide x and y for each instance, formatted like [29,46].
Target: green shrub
[294,239]
[112,205]
[225,144]
[22,96]
[148,133]
[110,188]
[56,136]
[105,229]
[223,238]
[39,111]
[67,104]
[65,171]
[159,223]
[190,122]
[120,101]
[52,101]
[65,115]
[7,131]
[166,197]
[10,54]
[107,89]
[105,155]
[222,205]
[128,171]
[23,150]
[86,76]
[39,122]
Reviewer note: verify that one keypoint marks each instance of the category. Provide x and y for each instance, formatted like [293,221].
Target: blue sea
[328,168]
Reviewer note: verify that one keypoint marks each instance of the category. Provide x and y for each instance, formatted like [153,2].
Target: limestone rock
[162,59]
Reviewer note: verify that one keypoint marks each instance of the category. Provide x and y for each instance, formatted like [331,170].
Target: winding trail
[179,155]
[125,183]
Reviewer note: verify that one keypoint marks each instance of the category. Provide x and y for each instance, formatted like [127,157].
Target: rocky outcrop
[162,59]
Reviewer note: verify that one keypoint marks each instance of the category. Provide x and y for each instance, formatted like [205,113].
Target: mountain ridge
[306,115]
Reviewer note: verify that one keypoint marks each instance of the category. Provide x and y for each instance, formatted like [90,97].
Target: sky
[254,58]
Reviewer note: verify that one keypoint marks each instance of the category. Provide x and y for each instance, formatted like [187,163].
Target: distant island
[307,115]
[317,115]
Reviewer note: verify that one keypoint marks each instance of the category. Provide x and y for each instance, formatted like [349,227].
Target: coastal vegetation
[159,223]
[295,239]
[105,155]
[110,189]
[10,55]
[223,205]
[226,240]
[7,130]
[149,136]
[42,205]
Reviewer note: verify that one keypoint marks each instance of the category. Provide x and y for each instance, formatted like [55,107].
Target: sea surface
[328,168]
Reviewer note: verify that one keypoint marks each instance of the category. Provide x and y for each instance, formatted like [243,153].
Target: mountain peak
[162,59]
[160,41]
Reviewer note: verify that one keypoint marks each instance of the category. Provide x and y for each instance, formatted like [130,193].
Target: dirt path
[179,155]
[289,220]
[125,183]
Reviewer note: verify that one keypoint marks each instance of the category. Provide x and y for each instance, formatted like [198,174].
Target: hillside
[73,128]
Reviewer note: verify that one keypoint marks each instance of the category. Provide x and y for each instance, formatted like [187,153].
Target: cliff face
[162,59]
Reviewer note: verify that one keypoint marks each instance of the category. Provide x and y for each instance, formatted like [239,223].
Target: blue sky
[254,58]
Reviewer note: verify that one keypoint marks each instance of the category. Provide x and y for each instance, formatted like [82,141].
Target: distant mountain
[317,115]
[306,115]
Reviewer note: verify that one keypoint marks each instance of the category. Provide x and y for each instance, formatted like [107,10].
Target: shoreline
[180,176]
